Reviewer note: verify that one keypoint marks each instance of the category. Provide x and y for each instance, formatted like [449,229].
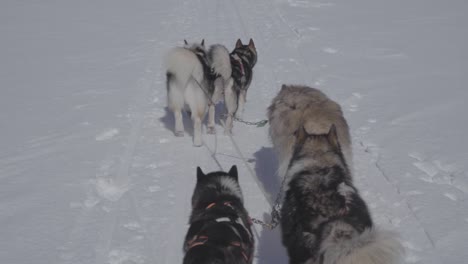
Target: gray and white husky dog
[189,83]
[220,228]
[233,75]
[323,218]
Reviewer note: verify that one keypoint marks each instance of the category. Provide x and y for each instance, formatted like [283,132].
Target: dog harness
[238,60]
[199,240]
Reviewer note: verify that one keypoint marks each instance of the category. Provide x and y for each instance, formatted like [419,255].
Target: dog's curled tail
[373,246]
[220,61]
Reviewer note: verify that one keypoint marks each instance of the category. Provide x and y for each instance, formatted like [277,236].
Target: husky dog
[243,59]
[189,85]
[323,218]
[218,55]
[297,106]
[220,229]
[232,76]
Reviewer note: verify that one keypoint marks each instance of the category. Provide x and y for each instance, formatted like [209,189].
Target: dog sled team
[198,78]
[324,220]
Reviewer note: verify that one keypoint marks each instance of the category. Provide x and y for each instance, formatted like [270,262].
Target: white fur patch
[232,186]
[295,168]
[345,190]
[370,247]
[221,62]
[223,219]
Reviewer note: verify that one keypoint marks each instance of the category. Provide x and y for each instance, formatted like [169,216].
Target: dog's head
[197,48]
[248,52]
[319,150]
[216,185]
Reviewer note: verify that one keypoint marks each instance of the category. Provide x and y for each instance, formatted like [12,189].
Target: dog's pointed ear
[200,174]
[332,137]
[251,44]
[301,134]
[185,42]
[239,43]
[203,42]
[233,172]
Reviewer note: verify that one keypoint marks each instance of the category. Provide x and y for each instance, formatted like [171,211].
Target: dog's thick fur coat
[324,220]
[220,230]
[296,106]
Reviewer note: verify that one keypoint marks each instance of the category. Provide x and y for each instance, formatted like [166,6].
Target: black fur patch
[169,78]
[312,204]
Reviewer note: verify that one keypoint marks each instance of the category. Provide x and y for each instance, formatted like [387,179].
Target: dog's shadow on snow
[270,249]
[266,166]
[169,121]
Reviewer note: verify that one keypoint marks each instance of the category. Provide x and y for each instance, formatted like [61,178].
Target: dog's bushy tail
[220,61]
[373,246]
[204,255]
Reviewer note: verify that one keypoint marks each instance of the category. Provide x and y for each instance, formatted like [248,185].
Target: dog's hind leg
[217,95]
[230,101]
[197,130]
[179,124]
[175,101]
[197,101]
[241,103]
[211,119]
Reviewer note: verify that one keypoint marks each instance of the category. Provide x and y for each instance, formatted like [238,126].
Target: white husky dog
[218,55]
[187,86]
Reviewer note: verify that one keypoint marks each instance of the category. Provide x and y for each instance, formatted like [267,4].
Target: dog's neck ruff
[199,240]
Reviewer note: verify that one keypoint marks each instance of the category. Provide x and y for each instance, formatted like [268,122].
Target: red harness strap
[197,241]
[239,61]
[238,244]
[201,240]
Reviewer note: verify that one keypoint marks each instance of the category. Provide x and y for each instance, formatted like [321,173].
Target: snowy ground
[90,171]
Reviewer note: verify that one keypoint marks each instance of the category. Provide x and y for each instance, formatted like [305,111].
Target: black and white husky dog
[220,227]
[233,75]
[324,220]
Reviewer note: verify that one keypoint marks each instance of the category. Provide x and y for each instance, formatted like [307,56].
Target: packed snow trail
[90,171]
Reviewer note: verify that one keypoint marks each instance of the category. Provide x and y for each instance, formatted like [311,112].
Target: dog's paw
[211,130]
[179,133]
[227,132]
[197,144]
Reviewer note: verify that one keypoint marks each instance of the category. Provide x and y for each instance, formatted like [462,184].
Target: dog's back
[220,230]
[183,64]
[297,106]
